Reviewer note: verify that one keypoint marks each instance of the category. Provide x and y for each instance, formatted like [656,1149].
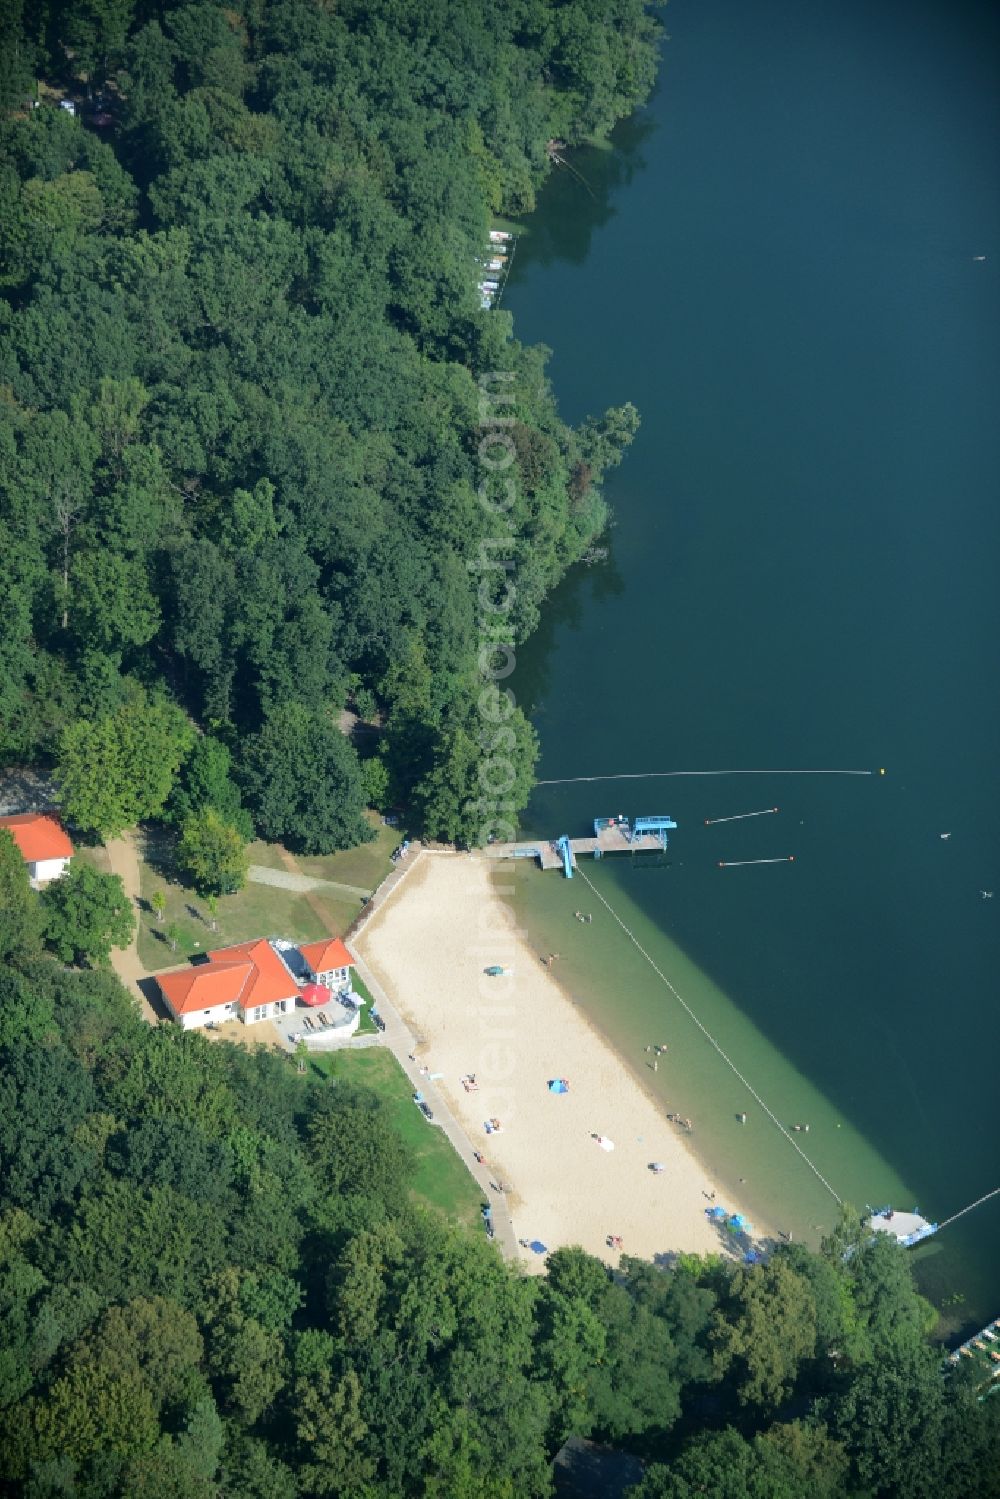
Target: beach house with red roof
[43,843]
[330,961]
[249,982]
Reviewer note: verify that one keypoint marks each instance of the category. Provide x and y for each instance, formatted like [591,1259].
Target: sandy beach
[429,946]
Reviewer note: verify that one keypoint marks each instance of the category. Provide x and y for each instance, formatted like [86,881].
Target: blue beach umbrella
[558,1085]
[537,1247]
[717,1213]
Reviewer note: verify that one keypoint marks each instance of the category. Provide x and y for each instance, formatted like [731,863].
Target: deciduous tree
[87,914]
[303,783]
[20,911]
[120,769]
[212,853]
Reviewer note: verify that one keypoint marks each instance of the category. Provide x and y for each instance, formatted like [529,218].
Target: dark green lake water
[775,261]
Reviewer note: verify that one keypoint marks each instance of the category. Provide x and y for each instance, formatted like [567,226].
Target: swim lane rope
[654,775]
[711,1039]
[994,1193]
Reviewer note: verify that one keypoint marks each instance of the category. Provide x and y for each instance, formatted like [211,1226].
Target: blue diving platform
[612,835]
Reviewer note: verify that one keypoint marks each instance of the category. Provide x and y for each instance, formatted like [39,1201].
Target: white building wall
[335,978]
[218,1015]
[195,1019]
[256,1013]
[44,870]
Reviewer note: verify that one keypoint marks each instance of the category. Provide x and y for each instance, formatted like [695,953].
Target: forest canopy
[240,347]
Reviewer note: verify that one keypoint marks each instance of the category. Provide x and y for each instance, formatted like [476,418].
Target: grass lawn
[258,910]
[96,857]
[366,1025]
[365,866]
[439,1177]
[268,854]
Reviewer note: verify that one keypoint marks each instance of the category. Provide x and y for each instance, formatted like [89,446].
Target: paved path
[287,879]
[123,856]
[388,885]
[401,1042]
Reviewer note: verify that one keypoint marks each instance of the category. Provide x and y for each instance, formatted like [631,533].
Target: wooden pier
[611,836]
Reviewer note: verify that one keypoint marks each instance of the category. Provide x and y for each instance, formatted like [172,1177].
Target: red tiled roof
[38,837]
[251,974]
[327,954]
[269,979]
[204,986]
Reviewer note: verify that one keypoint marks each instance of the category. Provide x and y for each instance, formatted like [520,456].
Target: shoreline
[429,945]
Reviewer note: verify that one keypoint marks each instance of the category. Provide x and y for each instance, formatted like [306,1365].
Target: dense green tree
[763,1330]
[885,1299]
[86,914]
[245,1358]
[153,1337]
[786,1462]
[120,769]
[27,1008]
[20,911]
[205,780]
[17,56]
[45,1094]
[482,772]
[303,782]
[354,1148]
[212,853]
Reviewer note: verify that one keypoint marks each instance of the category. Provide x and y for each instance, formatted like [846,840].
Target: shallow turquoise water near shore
[751,1163]
[775,262]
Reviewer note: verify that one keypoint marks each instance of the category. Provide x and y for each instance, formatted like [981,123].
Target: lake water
[775,262]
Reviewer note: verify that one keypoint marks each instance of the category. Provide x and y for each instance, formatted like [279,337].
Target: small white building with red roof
[254,981]
[43,843]
[330,961]
[247,982]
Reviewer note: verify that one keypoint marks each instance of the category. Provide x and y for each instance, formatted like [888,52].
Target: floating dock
[612,835]
[906,1228]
